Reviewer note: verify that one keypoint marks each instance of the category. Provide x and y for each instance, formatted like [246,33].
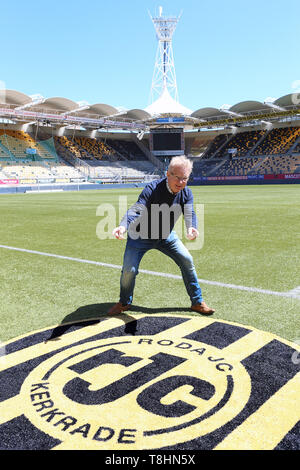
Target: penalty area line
[291,294]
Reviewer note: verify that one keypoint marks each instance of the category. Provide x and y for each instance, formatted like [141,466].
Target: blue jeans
[172,247]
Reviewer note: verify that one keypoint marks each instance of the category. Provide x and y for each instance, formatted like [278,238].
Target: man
[150,223]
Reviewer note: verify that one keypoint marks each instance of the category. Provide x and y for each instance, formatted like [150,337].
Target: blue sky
[225,51]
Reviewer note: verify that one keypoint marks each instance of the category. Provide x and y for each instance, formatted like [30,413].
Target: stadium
[68,172]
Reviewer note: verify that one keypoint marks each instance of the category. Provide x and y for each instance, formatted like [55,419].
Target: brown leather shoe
[202,308]
[118,308]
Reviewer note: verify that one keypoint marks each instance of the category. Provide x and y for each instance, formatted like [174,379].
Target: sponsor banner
[9,181]
[251,177]
[255,177]
[216,178]
[226,178]
[282,176]
[235,177]
[28,181]
[248,177]
[31,151]
[62,180]
[293,175]
[273,177]
[46,180]
[168,152]
[170,119]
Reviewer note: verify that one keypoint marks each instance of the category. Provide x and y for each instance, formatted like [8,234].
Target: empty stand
[112,160]
[236,167]
[17,144]
[242,142]
[127,148]
[42,164]
[215,146]
[92,148]
[278,141]
[278,165]
[257,152]
[61,158]
[123,171]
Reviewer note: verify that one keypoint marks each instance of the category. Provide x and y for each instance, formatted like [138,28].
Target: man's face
[177,178]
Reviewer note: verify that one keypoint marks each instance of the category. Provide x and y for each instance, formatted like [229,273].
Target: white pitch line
[294,293]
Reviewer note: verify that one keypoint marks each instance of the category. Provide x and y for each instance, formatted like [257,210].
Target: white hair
[181,161]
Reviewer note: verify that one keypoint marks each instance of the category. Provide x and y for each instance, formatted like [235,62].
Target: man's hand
[118,232]
[192,233]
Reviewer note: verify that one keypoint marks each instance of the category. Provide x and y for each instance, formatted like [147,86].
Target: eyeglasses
[179,178]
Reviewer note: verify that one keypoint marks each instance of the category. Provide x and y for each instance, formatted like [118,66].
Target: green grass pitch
[251,239]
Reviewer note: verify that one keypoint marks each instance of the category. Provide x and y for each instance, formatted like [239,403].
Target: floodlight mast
[164,76]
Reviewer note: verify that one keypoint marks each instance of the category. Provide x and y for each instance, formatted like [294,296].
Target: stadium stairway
[3,173]
[297,170]
[258,143]
[255,169]
[6,151]
[70,159]
[216,168]
[214,146]
[155,161]
[225,144]
[297,141]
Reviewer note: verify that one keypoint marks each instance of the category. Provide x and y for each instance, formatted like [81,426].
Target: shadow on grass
[95,313]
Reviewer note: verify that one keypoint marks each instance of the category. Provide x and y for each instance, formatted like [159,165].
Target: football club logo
[150,382]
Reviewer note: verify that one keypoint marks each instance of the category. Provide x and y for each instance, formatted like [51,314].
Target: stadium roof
[288,100]
[240,108]
[14,97]
[207,113]
[101,109]
[56,104]
[134,114]
[165,104]
[19,106]
[249,106]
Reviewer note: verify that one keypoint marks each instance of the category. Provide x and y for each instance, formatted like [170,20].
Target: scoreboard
[167,142]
